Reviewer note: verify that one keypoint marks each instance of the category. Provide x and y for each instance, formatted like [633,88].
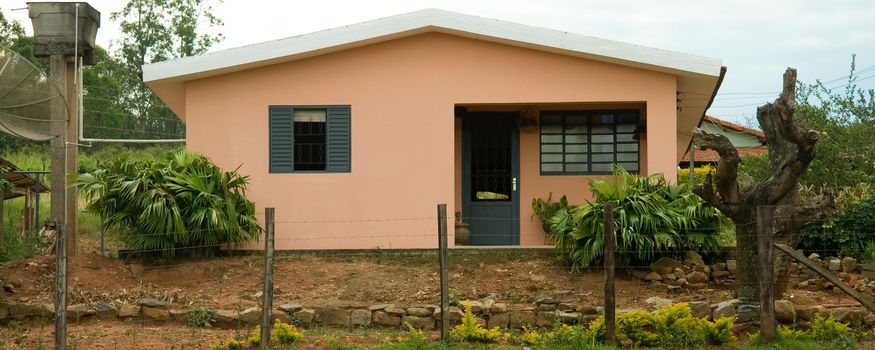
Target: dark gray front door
[490,174]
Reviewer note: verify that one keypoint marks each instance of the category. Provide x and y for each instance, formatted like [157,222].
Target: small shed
[25,185]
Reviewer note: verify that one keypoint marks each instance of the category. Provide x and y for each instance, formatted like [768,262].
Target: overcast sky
[756,39]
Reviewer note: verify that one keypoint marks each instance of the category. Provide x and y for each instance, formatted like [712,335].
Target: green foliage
[229,344]
[200,317]
[563,334]
[651,217]
[184,202]
[471,331]
[669,327]
[850,231]
[719,332]
[545,209]
[528,337]
[284,333]
[17,247]
[413,337]
[828,330]
[698,175]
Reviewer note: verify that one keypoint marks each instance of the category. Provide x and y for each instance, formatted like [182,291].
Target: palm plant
[184,202]
[651,217]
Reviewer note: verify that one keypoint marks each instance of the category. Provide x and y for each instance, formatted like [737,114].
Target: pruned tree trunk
[791,150]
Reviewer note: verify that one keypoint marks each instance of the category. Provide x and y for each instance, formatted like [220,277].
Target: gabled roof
[22,182]
[735,127]
[696,74]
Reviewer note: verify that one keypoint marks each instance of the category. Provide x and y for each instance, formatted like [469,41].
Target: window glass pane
[551,167]
[630,117]
[550,118]
[628,128]
[627,157]
[576,119]
[551,129]
[603,157]
[309,150]
[575,129]
[552,148]
[625,137]
[551,157]
[575,138]
[602,129]
[310,115]
[603,138]
[601,167]
[606,118]
[551,138]
[575,167]
[576,148]
[604,147]
[576,157]
[629,166]
[627,147]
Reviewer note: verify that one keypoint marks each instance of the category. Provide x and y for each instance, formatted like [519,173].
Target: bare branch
[727,168]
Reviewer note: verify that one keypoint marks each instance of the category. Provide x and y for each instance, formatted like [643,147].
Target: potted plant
[463,231]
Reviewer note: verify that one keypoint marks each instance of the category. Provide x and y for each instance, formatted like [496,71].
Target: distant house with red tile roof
[746,140]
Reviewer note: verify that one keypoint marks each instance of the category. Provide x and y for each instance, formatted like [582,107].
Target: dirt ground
[514,276]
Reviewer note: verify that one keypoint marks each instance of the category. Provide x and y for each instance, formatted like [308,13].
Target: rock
[702,268]
[179,315]
[394,310]
[809,312]
[225,319]
[565,307]
[155,313]
[658,302]
[305,316]
[333,316]
[639,274]
[291,308]
[379,307]
[552,301]
[678,283]
[669,276]
[498,320]
[694,286]
[518,319]
[476,306]
[814,257]
[743,327]
[720,267]
[693,258]
[724,309]
[417,322]
[251,315]
[546,307]
[498,308]
[835,265]
[22,311]
[849,264]
[849,315]
[151,302]
[106,310]
[545,319]
[281,315]
[731,265]
[570,318]
[747,312]
[653,276]
[697,277]
[784,311]
[488,302]
[419,312]
[720,274]
[128,310]
[665,265]
[362,318]
[869,321]
[78,311]
[383,318]
[587,310]
[700,309]
[867,266]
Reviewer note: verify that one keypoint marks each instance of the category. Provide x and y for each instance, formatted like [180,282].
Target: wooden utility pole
[267,294]
[442,247]
[610,301]
[765,228]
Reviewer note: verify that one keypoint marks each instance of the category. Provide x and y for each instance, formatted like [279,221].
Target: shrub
[698,175]
[283,333]
[528,337]
[719,332]
[230,344]
[471,331]
[184,202]
[828,330]
[651,216]
[200,317]
[563,334]
[850,231]
[637,326]
[670,326]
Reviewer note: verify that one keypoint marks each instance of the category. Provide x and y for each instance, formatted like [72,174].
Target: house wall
[404,136]
[738,139]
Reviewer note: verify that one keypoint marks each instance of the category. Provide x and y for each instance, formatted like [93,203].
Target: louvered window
[309,139]
[589,142]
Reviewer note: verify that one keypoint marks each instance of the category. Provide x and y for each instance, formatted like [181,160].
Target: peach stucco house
[354,134]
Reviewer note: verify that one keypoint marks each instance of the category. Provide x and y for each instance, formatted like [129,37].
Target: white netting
[26,99]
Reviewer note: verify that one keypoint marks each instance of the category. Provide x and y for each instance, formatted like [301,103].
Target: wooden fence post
[60,287]
[442,246]
[765,216]
[267,293]
[610,301]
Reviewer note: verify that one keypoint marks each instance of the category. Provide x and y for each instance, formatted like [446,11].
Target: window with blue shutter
[309,139]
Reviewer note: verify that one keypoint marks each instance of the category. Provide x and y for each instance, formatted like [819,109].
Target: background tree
[791,151]
[155,31]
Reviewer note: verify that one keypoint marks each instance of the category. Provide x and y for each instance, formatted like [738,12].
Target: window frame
[326,108]
[588,115]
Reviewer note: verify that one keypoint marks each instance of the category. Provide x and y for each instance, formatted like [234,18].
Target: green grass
[463,346]
[786,344]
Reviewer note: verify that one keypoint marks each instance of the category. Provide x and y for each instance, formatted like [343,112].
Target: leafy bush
[200,317]
[698,175]
[230,344]
[545,209]
[828,330]
[651,217]
[563,334]
[471,331]
[183,202]
[719,332]
[851,231]
[283,333]
[670,326]
[528,337]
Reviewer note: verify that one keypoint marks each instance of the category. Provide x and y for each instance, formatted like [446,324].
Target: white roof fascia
[297,47]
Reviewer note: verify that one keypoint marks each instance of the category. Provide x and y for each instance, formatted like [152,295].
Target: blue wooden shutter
[281,140]
[339,141]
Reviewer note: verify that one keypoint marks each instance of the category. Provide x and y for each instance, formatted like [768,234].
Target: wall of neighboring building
[402,94]
[738,139]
